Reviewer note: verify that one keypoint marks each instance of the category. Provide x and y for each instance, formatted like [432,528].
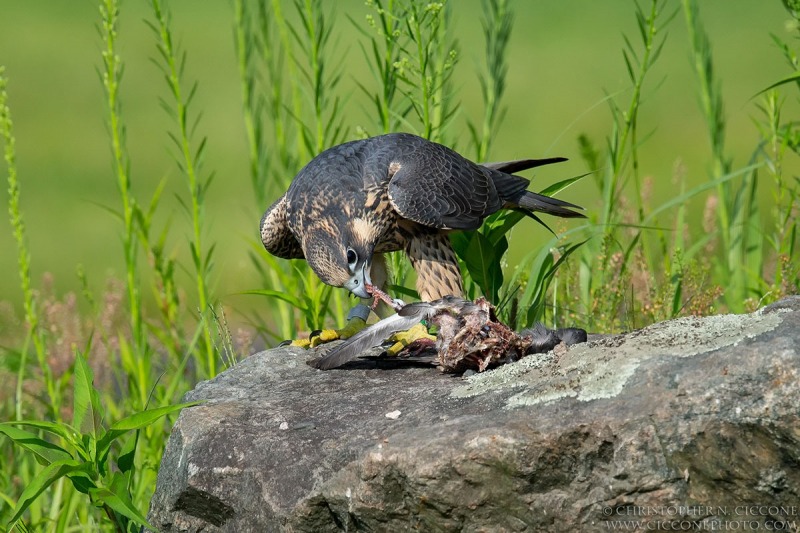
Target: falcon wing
[434,186]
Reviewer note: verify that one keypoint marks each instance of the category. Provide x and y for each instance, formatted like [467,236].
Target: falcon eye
[352,257]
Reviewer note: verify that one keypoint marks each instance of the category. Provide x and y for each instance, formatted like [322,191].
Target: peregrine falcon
[358,200]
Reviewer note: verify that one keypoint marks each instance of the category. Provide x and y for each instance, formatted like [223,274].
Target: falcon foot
[414,340]
[321,336]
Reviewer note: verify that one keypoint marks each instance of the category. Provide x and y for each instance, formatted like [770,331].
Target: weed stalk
[189,162]
[34,333]
[111,75]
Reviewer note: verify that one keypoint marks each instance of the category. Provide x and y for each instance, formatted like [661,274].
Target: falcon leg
[437,268]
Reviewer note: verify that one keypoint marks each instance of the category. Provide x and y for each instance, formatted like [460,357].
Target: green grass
[132,262]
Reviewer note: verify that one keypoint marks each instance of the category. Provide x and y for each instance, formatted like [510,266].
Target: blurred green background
[565,56]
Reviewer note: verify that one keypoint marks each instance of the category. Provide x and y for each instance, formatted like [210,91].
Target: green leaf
[544,277]
[116,214]
[563,184]
[404,291]
[145,418]
[44,451]
[680,199]
[497,227]
[293,301]
[12,359]
[531,296]
[82,481]
[676,297]
[135,421]
[793,78]
[87,410]
[460,242]
[60,429]
[42,481]
[127,454]
[156,198]
[121,503]
[483,265]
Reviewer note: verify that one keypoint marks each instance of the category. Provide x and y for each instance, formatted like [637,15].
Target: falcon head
[341,255]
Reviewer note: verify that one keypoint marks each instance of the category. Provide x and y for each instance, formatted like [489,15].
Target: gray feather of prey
[408,316]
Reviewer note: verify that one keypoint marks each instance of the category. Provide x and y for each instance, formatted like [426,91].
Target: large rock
[694,420]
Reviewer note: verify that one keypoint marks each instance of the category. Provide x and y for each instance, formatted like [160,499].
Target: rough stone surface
[694,419]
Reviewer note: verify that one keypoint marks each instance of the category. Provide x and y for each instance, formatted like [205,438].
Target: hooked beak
[357,284]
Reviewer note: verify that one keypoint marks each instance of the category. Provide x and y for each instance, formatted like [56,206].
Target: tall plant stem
[23,260]
[189,164]
[111,76]
[627,137]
